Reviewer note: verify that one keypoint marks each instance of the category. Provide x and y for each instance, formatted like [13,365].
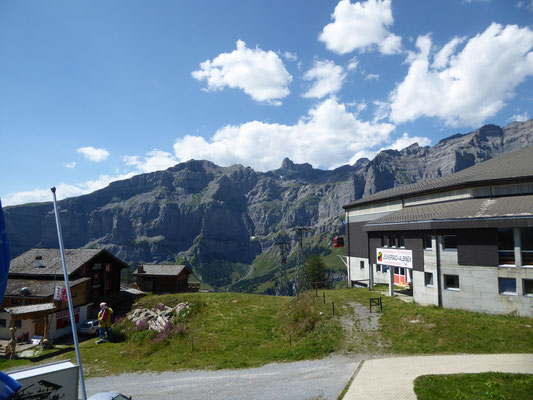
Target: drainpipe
[439,281]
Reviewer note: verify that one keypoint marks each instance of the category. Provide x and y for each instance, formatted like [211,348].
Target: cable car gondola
[338,241]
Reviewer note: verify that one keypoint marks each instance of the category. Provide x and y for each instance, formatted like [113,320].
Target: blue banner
[4,255]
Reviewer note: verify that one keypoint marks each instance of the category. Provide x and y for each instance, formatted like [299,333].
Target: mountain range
[224,221]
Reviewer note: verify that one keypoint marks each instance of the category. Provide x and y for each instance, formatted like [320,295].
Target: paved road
[392,378]
[281,381]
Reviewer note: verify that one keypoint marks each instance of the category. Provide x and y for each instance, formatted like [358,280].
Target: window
[2,323]
[507,285]
[526,235]
[385,241]
[18,323]
[527,285]
[361,265]
[506,246]
[450,242]
[384,268]
[451,282]
[428,242]
[394,240]
[378,268]
[401,241]
[428,278]
[108,267]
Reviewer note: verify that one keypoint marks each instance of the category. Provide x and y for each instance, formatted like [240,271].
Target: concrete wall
[422,293]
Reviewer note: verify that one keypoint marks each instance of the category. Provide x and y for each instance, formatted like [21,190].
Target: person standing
[104,323]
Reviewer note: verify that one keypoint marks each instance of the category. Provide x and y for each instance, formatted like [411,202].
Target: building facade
[463,241]
[36,281]
[157,278]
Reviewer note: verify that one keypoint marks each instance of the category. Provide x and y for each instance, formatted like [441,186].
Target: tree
[316,272]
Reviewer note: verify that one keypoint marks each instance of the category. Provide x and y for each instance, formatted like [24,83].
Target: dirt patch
[362,330]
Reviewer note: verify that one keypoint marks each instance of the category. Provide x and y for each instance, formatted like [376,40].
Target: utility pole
[282,289]
[300,269]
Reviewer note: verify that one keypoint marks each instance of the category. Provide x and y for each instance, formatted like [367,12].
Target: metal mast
[282,289]
[300,269]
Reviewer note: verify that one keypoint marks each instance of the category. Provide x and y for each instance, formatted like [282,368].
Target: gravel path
[316,379]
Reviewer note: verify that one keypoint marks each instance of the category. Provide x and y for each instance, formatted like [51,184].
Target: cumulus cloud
[70,164]
[372,77]
[468,86]
[401,143]
[260,74]
[328,136]
[63,190]
[328,79]
[519,117]
[154,160]
[92,154]
[361,26]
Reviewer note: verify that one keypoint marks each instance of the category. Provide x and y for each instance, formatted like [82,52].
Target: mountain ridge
[219,220]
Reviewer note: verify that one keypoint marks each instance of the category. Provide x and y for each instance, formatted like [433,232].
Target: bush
[301,316]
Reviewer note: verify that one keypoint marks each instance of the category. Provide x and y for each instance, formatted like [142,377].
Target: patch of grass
[226,330]
[416,329]
[490,385]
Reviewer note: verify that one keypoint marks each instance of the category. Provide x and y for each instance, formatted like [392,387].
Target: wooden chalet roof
[37,287]
[504,169]
[161,270]
[23,265]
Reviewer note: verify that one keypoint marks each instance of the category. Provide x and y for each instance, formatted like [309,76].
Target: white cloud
[371,77]
[260,74]
[329,135]
[290,56]
[352,64]
[63,190]
[92,154]
[361,26]
[442,58]
[154,160]
[467,87]
[70,164]
[519,117]
[401,143]
[527,4]
[328,79]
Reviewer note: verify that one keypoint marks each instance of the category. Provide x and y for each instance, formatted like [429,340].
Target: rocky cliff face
[220,219]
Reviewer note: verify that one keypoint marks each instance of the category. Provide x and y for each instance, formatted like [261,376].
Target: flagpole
[69,297]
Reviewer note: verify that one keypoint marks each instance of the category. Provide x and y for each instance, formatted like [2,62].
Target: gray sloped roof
[162,270]
[514,206]
[37,287]
[515,165]
[51,261]
[21,310]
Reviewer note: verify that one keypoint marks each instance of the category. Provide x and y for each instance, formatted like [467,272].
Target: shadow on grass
[52,353]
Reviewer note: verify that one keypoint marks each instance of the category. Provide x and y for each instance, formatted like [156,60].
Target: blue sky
[95,91]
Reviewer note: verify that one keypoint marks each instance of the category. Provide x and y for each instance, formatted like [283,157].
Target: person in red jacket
[104,323]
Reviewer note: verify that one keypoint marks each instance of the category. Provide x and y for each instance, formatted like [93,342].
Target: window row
[506,286]
[506,246]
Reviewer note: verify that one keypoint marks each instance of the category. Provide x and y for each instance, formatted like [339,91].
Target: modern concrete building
[462,241]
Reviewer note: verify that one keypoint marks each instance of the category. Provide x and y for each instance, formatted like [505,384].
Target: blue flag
[4,255]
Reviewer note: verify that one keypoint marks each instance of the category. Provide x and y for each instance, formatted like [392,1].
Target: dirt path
[362,328]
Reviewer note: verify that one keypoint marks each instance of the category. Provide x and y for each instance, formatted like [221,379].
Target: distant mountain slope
[220,219]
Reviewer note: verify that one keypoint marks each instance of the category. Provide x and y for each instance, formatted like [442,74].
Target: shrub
[301,316]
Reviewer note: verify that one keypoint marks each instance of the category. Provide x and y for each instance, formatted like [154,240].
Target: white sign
[395,257]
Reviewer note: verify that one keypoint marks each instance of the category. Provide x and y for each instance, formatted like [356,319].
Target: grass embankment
[490,385]
[232,330]
[227,330]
